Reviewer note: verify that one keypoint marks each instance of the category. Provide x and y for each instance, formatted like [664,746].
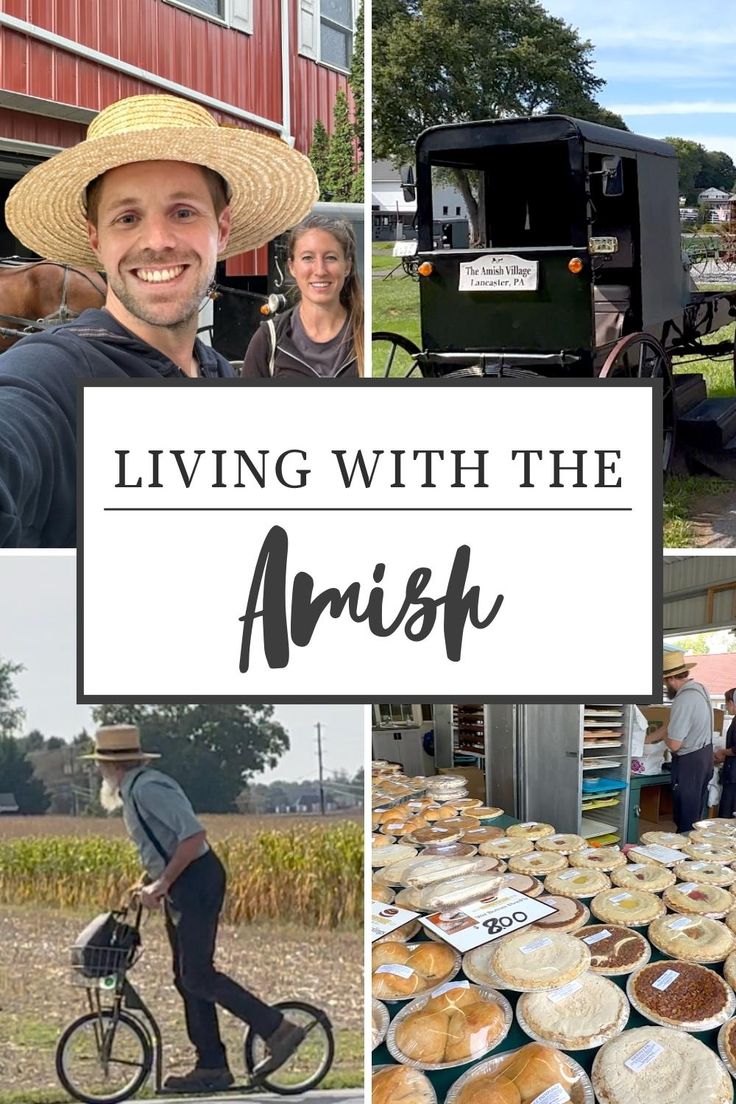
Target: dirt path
[713,520]
[37,998]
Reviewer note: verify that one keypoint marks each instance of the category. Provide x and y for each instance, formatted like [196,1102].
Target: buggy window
[517,195]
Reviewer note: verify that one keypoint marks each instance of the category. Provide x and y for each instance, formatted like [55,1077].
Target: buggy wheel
[309,1064]
[103,1058]
[393,354]
[640,356]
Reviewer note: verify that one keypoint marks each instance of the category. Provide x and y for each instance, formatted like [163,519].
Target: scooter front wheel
[104,1057]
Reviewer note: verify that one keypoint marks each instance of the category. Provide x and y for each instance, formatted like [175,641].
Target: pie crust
[646,876]
[588,1017]
[563,843]
[481,835]
[531,961]
[614,949]
[523,883]
[685,1070]
[729,969]
[530,830]
[698,899]
[701,940]
[576,882]
[631,907]
[664,839]
[598,858]
[395,852]
[710,853]
[538,863]
[570,914]
[504,847]
[692,870]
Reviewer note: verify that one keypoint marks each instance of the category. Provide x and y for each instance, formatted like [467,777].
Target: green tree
[693,645]
[11,715]
[341,166]
[319,155]
[211,750]
[356,80]
[457,60]
[16,777]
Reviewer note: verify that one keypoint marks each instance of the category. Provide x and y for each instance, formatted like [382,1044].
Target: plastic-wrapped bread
[459,891]
[424,872]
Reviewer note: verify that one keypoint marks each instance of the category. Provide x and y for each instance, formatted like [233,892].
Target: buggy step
[710,425]
[690,389]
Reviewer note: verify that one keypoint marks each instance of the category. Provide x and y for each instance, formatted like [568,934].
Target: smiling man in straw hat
[186,875]
[154,196]
[689,736]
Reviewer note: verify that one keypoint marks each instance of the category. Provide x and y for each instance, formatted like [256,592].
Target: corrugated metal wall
[686,582]
[241,69]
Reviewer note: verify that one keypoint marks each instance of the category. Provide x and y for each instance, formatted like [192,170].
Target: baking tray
[419,1004]
[382,1018]
[581,1089]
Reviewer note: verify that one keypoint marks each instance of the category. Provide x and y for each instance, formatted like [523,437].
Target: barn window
[326,31]
[235,13]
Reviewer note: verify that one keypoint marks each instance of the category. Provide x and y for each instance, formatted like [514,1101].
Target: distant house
[394,204]
[8,804]
[720,204]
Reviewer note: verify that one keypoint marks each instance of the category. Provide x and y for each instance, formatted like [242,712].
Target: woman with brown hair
[322,335]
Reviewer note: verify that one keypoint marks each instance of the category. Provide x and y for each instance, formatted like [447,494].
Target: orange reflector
[575,265]
[264,308]
[426,268]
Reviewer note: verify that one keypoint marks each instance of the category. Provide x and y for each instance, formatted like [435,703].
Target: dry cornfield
[300,871]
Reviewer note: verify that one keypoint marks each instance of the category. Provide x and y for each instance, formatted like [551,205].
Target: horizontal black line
[367,509]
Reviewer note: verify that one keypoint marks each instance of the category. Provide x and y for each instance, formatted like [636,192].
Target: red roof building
[717,672]
[273,65]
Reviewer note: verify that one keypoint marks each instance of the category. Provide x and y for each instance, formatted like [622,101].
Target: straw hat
[673,663]
[272,187]
[119,743]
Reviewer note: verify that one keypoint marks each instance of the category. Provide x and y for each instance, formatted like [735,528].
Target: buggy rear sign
[499,272]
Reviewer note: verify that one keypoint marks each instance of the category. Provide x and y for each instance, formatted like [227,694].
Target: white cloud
[676,107]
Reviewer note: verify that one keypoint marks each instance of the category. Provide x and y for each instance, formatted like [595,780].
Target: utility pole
[318,726]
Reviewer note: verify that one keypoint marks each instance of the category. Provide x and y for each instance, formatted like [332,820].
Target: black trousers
[727,806]
[192,912]
[690,777]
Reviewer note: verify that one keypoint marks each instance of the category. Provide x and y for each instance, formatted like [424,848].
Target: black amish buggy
[577,271]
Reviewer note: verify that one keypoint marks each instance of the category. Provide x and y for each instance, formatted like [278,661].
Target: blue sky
[669,65]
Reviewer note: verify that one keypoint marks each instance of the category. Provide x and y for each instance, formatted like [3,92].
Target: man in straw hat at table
[154,196]
[186,875]
[689,736]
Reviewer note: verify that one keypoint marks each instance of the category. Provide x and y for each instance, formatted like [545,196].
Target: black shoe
[281,1044]
[200,1079]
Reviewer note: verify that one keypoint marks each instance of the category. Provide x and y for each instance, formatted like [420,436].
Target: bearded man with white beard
[186,877]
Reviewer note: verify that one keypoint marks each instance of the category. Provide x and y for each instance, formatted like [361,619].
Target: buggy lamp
[426,268]
[575,265]
[603,245]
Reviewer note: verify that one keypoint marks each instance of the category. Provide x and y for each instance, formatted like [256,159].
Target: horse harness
[63,314]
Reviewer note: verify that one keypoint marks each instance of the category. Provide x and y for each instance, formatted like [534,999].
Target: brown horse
[45,291]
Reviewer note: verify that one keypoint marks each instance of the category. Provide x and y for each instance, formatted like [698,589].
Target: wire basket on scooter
[105,949]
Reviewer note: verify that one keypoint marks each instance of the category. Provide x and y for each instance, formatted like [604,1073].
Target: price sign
[665,855]
[480,922]
[387,918]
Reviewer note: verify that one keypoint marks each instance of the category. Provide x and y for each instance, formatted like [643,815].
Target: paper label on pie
[555,1094]
[596,937]
[564,991]
[566,875]
[555,839]
[681,922]
[661,854]
[536,945]
[639,1061]
[688,887]
[636,866]
[619,897]
[400,971]
[698,865]
[394,826]
[665,980]
[450,985]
